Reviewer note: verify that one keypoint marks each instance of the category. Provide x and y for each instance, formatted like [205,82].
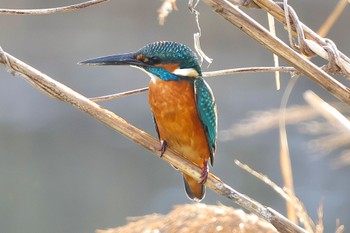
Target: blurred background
[61,171]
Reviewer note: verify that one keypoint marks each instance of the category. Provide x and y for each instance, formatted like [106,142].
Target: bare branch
[51,10]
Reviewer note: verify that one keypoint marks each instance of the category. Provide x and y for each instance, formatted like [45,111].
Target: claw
[205,172]
[162,147]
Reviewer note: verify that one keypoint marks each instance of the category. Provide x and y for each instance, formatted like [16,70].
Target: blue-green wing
[206,108]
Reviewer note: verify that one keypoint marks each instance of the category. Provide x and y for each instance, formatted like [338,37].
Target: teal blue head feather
[168,52]
[166,59]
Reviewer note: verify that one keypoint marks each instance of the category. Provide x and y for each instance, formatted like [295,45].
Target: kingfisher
[182,103]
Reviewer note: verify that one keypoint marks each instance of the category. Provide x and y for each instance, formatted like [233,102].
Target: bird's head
[166,60]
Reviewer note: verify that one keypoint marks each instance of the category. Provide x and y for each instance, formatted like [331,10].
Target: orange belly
[175,112]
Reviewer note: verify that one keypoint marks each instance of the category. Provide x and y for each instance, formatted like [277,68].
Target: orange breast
[174,108]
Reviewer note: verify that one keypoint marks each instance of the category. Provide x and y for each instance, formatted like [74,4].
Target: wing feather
[206,108]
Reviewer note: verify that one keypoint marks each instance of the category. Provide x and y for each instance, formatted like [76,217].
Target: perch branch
[51,10]
[255,30]
[63,93]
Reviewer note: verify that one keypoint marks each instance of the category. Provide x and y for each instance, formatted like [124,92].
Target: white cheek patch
[153,77]
[188,72]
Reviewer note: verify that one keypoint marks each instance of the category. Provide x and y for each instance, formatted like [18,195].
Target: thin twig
[205,74]
[287,194]
[119,95]
[332,18]
[64,93]
[248,70]
[51,10]
[196,36]
[272,29]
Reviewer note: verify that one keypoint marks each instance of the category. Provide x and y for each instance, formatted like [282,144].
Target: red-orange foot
[205,172]
[162,147]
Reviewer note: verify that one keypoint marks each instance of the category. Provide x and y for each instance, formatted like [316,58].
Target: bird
[182,103]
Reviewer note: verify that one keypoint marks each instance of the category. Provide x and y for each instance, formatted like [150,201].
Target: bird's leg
[162,147]
[205,172]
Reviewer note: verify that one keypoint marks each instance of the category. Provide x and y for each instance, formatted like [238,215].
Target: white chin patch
[188,72]
[153,77]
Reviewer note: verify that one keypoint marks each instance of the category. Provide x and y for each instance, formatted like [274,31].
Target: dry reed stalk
[196,218]
[286,194]
[332,18]
[272,29]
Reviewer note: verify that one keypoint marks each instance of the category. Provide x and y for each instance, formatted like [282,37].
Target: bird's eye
[154,60]
[149,60]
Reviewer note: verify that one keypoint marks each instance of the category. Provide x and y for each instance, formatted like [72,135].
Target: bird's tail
[194,190]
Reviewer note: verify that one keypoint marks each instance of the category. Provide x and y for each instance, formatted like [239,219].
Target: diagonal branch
[274,9]
[63,93]
[255,30]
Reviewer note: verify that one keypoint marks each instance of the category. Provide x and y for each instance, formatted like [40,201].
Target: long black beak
[118,59]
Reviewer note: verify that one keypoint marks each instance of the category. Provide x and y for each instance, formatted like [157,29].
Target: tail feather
[194,190]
